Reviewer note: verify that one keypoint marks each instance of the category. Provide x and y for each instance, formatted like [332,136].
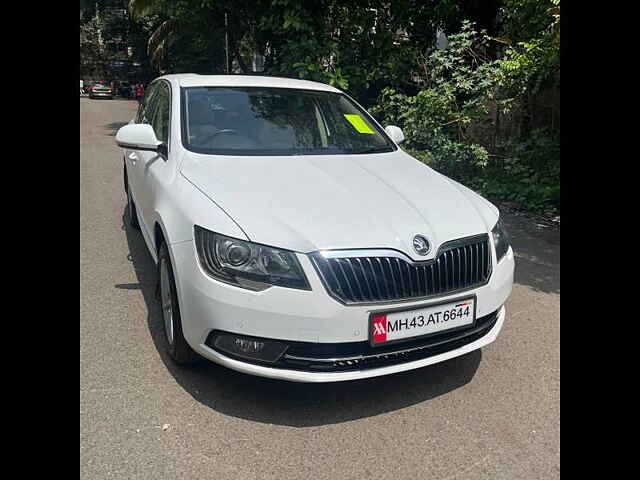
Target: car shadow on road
[114,127]
[285,403]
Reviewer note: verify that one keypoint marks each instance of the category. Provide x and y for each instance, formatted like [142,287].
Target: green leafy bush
[458,82]
[484,109]
[452,125]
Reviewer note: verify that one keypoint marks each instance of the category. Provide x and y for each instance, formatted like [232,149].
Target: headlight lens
[246,264]
[501,240]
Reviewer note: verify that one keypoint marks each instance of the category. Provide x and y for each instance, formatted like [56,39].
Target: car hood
[308,203]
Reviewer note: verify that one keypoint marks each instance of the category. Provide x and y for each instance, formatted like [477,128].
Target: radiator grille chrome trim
[378,276]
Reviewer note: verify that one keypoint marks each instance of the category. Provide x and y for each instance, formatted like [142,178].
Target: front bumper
[278,313]
[319,377]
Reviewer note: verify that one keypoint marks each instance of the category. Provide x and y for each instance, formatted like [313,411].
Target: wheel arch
[158,237]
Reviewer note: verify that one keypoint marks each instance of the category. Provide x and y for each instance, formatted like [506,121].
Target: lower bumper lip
[357,358]
[320,377]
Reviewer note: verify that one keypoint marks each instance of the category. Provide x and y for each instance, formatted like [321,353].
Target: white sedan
[295,240]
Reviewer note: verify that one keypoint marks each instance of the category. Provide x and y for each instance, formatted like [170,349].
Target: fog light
[250,348]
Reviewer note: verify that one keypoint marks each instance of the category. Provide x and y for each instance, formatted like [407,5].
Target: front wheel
[177,346]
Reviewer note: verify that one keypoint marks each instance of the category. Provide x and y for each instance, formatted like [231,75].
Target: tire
[177,347]
[132,213]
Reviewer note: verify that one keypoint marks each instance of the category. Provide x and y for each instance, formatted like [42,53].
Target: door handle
[133,157]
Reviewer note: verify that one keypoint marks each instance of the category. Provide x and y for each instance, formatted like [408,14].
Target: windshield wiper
[372,150]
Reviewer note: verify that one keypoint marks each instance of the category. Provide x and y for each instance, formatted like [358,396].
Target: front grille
[387,277]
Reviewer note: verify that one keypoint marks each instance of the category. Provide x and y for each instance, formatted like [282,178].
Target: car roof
[196,80]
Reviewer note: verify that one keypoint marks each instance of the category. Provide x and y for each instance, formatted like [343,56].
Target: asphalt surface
[491,414]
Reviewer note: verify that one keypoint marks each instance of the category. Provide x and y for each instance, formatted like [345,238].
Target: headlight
[500,240]
[246,264]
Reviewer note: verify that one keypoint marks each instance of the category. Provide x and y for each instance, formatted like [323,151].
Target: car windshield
[276,121]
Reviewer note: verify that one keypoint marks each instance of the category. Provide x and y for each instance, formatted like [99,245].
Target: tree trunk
[496,128]
[236,53]
[525,121]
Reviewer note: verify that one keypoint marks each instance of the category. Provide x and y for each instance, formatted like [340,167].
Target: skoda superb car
[295,240]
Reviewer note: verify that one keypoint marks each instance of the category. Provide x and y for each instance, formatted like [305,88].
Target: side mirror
[395,133]
[138,136]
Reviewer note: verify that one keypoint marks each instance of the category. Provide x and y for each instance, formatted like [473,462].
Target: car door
[156,170]
[138,160]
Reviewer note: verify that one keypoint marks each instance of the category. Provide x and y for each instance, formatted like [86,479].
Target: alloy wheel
[166,300]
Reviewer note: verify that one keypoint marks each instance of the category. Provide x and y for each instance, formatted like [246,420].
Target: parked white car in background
[295,240]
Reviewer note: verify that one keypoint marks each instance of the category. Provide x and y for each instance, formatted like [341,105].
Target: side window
[145,112]
[160,121]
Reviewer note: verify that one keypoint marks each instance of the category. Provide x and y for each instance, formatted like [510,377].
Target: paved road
[492,414]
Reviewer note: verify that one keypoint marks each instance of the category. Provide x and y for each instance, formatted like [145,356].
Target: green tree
[188,35]
[106,34]
[484,109]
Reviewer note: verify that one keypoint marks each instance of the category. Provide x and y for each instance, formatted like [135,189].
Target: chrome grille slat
[486,258]
[375,278]
[333,274]
[431,277]
[473,270]
[366,280]
[346,282]
[452,259]
[353,277]
[487,261]
[382,282]
[357,282]
[393,279]
[401,277]
[464,253]
[446,274]
[414,280]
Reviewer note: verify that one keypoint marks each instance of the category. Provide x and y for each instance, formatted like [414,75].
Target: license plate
[397,326]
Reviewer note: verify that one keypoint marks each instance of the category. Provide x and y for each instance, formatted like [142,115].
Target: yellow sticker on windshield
[358,123]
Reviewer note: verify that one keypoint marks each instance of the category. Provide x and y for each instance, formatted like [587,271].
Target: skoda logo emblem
[421,245]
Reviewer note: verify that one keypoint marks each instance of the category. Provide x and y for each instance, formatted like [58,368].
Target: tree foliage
[107,35]
[456,84]
[487,112]
[485,109]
